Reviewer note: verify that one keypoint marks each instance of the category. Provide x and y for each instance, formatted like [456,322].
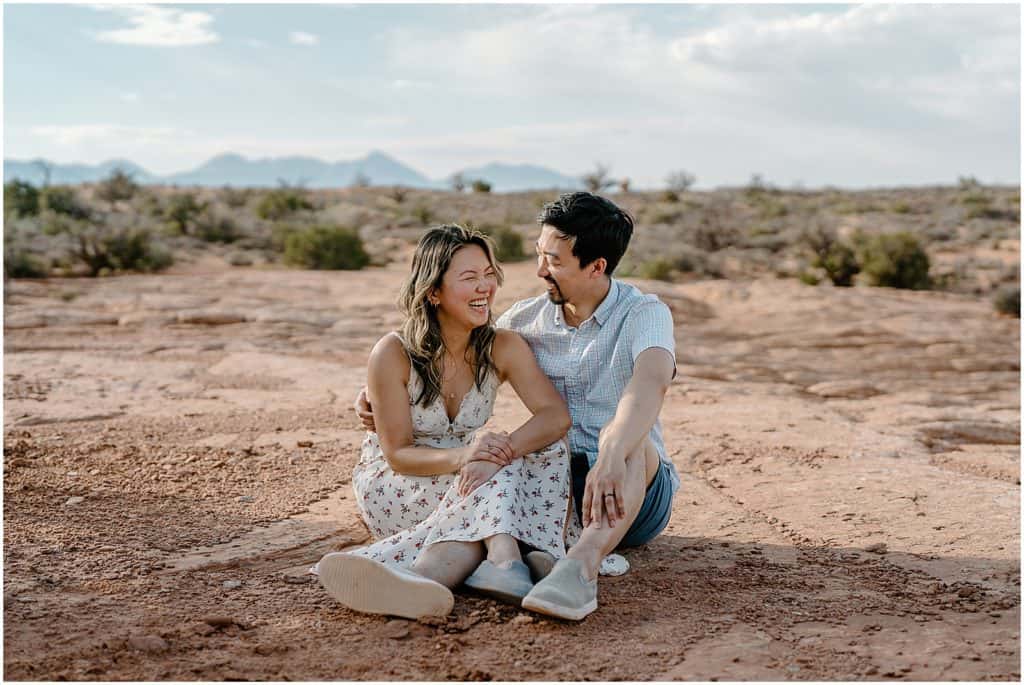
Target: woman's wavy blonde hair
[421,332]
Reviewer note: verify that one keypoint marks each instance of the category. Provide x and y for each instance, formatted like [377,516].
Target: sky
[809,95]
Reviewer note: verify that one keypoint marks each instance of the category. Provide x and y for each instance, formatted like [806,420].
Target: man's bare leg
[449,563]
[594,543]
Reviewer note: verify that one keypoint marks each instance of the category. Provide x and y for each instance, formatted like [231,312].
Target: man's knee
[647,454]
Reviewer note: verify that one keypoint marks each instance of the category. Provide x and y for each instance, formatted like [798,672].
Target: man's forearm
[638,408]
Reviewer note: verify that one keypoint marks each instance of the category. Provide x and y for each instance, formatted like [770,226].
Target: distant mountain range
[235,170]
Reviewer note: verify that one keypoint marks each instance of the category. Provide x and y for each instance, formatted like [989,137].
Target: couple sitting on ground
[451,503]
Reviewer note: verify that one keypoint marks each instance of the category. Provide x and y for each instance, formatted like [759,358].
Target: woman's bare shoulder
[389,354]
[508,350]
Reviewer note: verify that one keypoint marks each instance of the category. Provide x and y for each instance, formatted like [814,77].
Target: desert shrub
[182,211]
[361,180]
[119,185]
[658,269]
[282,202]
[508,244]
[714,231]
[756,186]
[100,248]
[894,260]
[597,180]
[398,194]
[772,209]
[20,198]
[808,278]
[967,182]
[134,250]
[458,182]
[677,183]
[689,260]
[481,186]
[326,247]
[62,200]
[423,214]
[20,263]
[1007,300]
[216,229]
[837,259]
[234,198]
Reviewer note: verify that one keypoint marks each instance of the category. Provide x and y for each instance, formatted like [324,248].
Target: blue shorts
[654,512]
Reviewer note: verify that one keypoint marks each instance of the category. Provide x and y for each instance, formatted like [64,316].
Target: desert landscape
[178,444]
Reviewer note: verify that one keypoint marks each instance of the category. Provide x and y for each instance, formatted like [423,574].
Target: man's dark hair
[596,226]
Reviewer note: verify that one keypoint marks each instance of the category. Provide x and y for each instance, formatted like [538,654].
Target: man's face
[557,265]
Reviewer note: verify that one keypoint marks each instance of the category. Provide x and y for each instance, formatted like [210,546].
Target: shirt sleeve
[505,320]
[651,326]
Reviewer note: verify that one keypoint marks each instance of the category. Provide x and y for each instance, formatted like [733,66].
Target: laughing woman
[448,501]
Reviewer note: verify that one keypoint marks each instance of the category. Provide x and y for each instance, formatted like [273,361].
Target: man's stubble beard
[555,295]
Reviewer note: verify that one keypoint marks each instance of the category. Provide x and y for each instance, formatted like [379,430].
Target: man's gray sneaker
[564,593]
[508,585]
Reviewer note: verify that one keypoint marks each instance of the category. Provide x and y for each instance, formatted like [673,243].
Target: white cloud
[159,26]
[303,38]
[128,97]
[76,134]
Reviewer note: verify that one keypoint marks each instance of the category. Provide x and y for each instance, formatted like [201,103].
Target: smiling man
[610,351]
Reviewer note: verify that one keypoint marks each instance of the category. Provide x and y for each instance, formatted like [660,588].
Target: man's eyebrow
[549,254]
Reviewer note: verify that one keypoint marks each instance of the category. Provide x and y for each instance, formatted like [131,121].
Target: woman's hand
[492,447]
[474,474]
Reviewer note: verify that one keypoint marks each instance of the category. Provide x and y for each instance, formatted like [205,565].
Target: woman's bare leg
[449,563]
[502,549]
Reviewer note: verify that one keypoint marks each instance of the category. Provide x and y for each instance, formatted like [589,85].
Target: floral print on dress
[528,499]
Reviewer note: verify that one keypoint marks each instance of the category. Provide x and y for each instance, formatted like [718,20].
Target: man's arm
[635,414]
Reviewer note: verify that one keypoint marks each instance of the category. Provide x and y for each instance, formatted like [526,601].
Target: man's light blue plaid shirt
[592,365]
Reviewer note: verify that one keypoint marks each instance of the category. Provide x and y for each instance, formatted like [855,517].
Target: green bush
[423,214]
[216,229]
[235,198]
[282,202]
[20,263]
[1007,300]
[325,247]
[118,186]
[508,244]
[659,269]
[101,249]
[182,211]
[481,186]
[894,260]
[62,200]
[133,250]
[840,264]
[20,198]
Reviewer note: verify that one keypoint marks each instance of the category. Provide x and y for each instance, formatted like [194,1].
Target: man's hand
[474,474]
[492,447]
[365,411]
[602,495]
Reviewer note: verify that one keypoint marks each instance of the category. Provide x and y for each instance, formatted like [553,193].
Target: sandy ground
[178,450]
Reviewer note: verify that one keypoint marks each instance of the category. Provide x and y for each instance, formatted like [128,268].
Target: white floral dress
[528,499]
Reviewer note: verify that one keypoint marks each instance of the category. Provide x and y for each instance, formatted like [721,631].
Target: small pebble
[72,501]
[522,620]
[246,499]
[877,548]
[231,584]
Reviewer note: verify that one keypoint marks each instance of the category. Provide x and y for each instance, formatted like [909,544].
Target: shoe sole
[374,588]
[498,594]
[558,610]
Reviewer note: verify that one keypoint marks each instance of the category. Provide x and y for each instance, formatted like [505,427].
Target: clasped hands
[488,453]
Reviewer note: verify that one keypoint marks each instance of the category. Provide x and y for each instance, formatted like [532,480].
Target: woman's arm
[550,420]
[387,378]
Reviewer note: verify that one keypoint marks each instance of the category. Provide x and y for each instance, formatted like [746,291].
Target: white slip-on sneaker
[371,587]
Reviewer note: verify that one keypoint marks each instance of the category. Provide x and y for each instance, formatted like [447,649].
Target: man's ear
[597,267]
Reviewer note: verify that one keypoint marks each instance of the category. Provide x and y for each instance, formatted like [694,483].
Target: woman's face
[467,289]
